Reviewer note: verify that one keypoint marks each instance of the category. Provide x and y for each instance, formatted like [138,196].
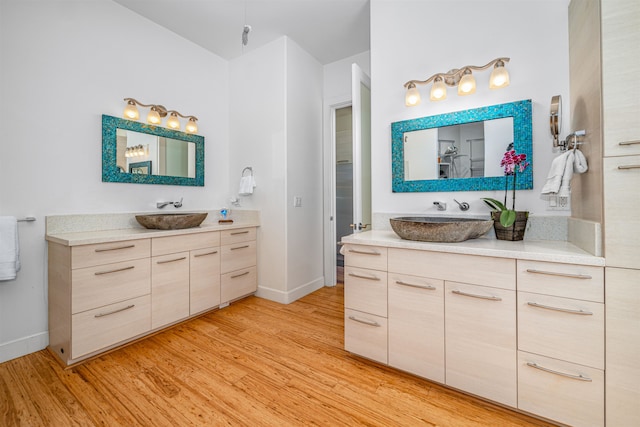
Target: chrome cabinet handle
[564,310]
[208,253]
[239,232]
[563,374]
[354,251]
[114,311]
[240,247]
[492,298]
[240,275]
[555,273]
[364,277]
[171,260]
[414,285]
[115,249]
[365,321]
[623,167]
[98,273]
[629,142]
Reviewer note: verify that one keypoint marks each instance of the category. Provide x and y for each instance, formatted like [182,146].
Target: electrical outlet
[559,203]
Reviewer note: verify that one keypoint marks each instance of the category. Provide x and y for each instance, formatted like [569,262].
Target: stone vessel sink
[174,221]
[440,229]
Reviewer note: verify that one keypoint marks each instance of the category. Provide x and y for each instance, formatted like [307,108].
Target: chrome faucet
[442,206]
[161,205]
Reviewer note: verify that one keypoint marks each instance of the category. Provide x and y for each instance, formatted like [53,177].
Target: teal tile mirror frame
[520,111]
[112,172]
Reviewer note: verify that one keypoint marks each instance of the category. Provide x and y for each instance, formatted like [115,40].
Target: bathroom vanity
[110,287]
[518,323]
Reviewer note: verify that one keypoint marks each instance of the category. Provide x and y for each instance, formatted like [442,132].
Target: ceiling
[328,29]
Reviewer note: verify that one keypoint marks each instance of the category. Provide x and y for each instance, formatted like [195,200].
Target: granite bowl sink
[174,221]
[439,228]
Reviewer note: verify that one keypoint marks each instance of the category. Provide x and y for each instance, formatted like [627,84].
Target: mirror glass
[461,151]
[139,153]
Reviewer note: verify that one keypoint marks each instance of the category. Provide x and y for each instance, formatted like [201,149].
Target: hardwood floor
[255,363]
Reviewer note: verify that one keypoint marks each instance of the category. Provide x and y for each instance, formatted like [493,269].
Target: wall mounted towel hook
[248,168]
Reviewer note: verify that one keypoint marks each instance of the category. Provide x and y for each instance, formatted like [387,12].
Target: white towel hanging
[9,248]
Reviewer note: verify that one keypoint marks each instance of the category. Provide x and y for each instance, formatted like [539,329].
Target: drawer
[365,290]
[238,284]
[416,325]
[108,253]
[105,284]
[237,256]
[365,335]
[96,329]
[185,242]
[564,392]
[621,211]
[583,282]
[473,269]
[229,237]
[372,257]
[566,329]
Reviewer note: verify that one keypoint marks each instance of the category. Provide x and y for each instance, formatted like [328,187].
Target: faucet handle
[464,206]
[178,204]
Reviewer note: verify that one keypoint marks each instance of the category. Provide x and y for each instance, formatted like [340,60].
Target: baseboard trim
[290,296]
[23,346]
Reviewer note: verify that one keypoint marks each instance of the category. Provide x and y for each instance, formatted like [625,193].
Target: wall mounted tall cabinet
[609,109]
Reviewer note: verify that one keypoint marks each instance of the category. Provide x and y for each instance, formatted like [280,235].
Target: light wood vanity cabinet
[103,295]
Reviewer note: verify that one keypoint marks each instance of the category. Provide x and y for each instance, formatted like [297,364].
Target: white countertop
[104,236]
[535,250]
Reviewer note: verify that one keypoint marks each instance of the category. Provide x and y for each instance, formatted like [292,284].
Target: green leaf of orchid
[507,218]
[494,204]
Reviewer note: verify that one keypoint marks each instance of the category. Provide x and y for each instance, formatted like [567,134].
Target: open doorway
[344,180]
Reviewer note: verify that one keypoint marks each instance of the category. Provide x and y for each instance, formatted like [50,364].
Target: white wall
[415,39]
[64,64]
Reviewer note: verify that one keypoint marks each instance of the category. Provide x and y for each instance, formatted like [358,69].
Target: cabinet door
[480,335]
[623,347]
[622,222]
[416,325]
[204,289]
[169,289]
[620,70]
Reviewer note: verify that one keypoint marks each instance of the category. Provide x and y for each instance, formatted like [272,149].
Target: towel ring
[248,168]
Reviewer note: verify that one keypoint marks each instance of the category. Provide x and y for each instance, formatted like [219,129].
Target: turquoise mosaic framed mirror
[138,153]
[461,151]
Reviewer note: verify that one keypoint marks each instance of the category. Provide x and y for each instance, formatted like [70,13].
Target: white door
[361,98]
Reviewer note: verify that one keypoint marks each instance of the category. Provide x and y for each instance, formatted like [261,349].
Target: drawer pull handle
[465,294]
[564,310]
[629,142]
[360,276]
[240,247]
[623,167]
[208,253]
[239,232]
[98,273]
[115,249]
[115,311]
[579,377]
[240,275]
[365,321]
[556,273]
[354,251]
[413,285]
[171,260]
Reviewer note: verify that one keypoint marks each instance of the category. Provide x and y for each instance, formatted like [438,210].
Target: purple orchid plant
[512,164]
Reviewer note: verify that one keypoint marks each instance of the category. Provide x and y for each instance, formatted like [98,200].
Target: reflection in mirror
[139,153]
[167,156]
[460,151]
[457,151]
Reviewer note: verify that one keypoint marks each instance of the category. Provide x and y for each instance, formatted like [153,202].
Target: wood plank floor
[255,363]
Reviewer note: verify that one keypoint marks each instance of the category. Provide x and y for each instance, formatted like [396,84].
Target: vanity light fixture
[156,113]
[137,150]
[461,77]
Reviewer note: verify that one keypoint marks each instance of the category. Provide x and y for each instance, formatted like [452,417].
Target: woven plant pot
[513,232]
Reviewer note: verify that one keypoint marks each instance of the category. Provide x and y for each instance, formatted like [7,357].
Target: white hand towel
[247,184]
[579,162]
[565,186]
[554,179]
[9,248]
